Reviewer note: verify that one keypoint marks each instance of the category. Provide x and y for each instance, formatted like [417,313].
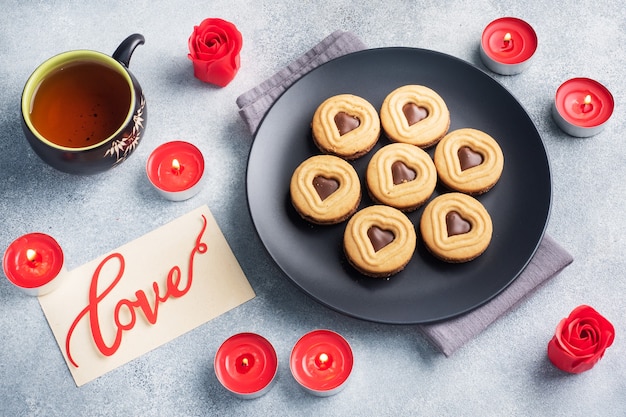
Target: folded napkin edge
[277,79]
[449,335]
[254,103]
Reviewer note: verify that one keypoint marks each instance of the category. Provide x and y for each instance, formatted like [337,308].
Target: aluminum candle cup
[175,169]
[34,263]
[582,107]
[507,45]
[321,362]
[246,365]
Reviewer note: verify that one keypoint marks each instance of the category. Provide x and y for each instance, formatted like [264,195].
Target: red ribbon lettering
[174,287]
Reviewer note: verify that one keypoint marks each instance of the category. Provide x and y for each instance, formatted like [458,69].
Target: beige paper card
[144,294]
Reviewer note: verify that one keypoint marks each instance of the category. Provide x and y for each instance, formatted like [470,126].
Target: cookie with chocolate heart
[325,189]
[415,114]
[345,125]
[469,161]
[379,241]
[456,227]
[402,176]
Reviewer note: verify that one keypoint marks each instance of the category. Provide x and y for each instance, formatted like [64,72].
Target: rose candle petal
[582,107]
[34,263]
[175,169]
[580,340]
[246,365]
[321,362]
[214,48]
[507,45]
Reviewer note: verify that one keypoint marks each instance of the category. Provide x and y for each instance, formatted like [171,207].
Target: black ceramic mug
[83,112]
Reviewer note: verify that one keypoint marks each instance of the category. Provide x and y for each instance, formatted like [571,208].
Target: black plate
[427,290]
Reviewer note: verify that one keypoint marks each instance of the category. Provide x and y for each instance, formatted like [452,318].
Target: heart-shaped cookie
[415,114]
[469,161]
[325,189]
[401,175]
[379,240]
[345,125]
[456,227]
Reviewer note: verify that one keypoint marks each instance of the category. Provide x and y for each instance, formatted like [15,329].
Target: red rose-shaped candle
[580,340]
[214,48]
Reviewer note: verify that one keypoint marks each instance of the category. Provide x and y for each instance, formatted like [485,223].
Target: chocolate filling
[468,158]
[325,186]
[456,224]
[379,237]
[414,113]
[400,173]
[346,123]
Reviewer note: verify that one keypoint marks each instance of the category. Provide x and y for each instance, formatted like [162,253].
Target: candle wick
[244,364]
[587,107]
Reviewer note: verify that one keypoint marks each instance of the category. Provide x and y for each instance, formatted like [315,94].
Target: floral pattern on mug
[121,148]
[580,340]
[214,48]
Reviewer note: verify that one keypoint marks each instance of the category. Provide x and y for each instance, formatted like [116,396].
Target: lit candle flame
[31,255]
[587,99]
[175,166]
[507,37]
[244,362]
[323,361]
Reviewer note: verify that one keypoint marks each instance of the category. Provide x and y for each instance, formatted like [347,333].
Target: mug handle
[126,48]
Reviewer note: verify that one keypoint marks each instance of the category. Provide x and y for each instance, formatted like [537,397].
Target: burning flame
[175,166]
[31,255]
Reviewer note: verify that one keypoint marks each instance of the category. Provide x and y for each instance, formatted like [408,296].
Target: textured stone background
[503,372]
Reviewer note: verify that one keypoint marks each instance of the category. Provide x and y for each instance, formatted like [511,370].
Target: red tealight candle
[582,107]
[175,169]
[507,45]
[246,364]
[321,361]
[34,263]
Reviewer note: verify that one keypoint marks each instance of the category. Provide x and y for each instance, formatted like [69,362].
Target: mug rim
[57,61]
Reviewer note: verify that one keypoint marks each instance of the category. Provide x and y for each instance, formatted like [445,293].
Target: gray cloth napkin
[550,259]
[253,104]
[449,335]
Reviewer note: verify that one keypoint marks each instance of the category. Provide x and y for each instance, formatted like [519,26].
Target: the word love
[124,315]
